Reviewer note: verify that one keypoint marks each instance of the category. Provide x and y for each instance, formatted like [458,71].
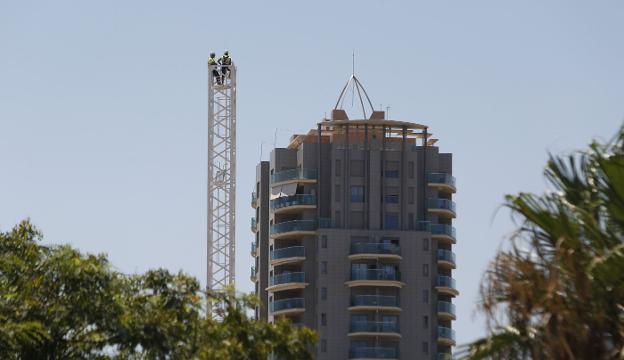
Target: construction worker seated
[215,73]
[225,61]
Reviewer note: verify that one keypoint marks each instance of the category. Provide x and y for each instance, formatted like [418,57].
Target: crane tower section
[221,175]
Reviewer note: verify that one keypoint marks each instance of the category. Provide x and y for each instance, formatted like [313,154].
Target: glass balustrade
[446,281]
[442,229]
[446,333]
[254,199]
[293,251]
[293,174]
[254,224]
[294,200]
[445,204]
[285,278]
[441,178]
[375,248]
[373,353]
[375,274]
[375,300]
[254,247]
[446,255]
[374,326]
[446,307]
[287,304]
[294,225]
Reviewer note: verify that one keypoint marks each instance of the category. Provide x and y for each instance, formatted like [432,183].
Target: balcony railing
[254,199]
[441,178]
[253,272]
[254,247]
[375,248]
[294,277]
[294,225]
[442,229]
[446,307]
[374,326]
[446,333]
[293,251]
[444,204]
[293,174]
[446,281]
[446,255]
[373,353]
[375,274]
[254,224]
[287,304]
[294,200]
[375,300]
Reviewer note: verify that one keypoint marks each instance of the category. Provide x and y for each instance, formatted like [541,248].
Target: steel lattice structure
[221,179]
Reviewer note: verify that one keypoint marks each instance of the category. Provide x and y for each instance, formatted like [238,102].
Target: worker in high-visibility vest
[215,72]
[225,63]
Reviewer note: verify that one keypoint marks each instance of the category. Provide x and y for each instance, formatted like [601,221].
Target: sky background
[103,108]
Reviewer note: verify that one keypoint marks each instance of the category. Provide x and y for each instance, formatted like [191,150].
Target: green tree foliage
[557,292]
[56,303]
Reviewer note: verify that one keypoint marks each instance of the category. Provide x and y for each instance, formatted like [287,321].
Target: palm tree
[557,290]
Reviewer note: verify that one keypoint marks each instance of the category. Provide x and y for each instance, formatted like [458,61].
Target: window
[392,195]
[324,241]
[425,347]
[338,193]
[426,322]
[357,168]
[425,295]
[391,221]
[410,194]
[425,269]
[323,293]
[357,194]
[425,244]
[392,169]
[338,169]
[323,267]
[323,319]
[323,345]
[410,169]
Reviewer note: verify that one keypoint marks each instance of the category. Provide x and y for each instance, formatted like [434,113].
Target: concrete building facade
[354,238]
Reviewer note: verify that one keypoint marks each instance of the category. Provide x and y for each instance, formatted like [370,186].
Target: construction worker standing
[225,63]
[215,72]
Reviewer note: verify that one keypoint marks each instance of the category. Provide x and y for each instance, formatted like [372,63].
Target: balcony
[442,207]
[373,353]
[287,255]
[287,281]
[254,225]
[442,232]
[375,302]
[442,181]
[375,277]
[287,306]
[254,249]
[446,259]
[254,200]
[446,310]
[446,336]
[446,285]
[254,275]
[375,251]
[293,175]
[293,228]
[294,203]
[374,328]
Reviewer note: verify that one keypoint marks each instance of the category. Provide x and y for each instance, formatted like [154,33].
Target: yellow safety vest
[211,61]
[226,60]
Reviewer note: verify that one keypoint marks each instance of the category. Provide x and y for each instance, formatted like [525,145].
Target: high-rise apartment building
[354,238]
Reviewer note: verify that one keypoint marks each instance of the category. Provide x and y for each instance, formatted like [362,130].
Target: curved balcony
[442,181]
[442,207]
[446,336]
[375,302]
[362,353]
[254,225]
[287,306]
[446,285]
[293,175]
[287,281]
[254,275]
[446,258]
[294,203]
[375,251]
[442,232]
[375,277]
[254,200]
[374,328]
[254,249]
[293,228]
[446,310]
[287,255]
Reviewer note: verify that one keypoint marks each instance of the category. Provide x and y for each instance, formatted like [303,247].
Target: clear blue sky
[103,108]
